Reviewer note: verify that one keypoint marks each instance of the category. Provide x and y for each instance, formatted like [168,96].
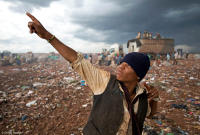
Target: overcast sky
[89,25]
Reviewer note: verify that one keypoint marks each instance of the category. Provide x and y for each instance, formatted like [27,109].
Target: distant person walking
[168,57]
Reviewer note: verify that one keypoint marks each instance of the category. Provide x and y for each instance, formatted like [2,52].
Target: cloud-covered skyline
[88,26]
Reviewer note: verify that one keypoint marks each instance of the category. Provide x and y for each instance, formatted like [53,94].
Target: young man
[120,103]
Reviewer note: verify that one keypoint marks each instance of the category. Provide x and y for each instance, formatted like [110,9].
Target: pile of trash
[179,105]
[50,98]
[43,98]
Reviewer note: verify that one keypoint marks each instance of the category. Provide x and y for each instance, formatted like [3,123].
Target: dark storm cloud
[28,5]
[37,3]
[178,19]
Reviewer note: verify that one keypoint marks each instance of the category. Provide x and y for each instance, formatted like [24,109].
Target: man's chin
[119,78]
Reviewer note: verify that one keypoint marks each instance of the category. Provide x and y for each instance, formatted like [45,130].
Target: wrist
[48,36]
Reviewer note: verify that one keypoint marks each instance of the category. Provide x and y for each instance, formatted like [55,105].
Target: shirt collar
[139,89]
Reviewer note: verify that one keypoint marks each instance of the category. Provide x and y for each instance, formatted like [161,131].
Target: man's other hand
[152,92]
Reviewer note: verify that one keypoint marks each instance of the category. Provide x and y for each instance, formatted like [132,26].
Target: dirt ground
[48,99]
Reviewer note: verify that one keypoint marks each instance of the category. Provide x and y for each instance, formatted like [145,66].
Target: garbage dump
[48,97]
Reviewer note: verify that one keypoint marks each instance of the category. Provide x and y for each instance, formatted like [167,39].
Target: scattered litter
[69,79]
[49,93]
[16,69]
[198,84]
[179,106]
[36,84]
[85,105]
[3,94]
[30,92]
[78,88]
[191,78]
[24,117]
[25,87]
[83,83]
[24,69]
[1,117]
[31,103]
[1,71]
[18,95]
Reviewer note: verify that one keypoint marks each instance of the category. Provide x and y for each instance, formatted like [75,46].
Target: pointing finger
[32,18]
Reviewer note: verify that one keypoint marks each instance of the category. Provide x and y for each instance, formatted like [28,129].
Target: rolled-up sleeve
[96,79]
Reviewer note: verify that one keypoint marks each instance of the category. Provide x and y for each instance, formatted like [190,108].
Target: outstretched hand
[152,92]
[36,27]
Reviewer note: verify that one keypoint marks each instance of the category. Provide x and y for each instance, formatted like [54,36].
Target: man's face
[125,73]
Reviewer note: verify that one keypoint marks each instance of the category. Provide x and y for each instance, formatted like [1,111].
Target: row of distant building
[153,45]
[144,42]
[9,58]
[148,43]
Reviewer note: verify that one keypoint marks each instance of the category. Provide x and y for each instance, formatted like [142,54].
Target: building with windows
[153,45]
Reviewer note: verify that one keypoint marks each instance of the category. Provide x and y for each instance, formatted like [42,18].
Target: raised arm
[96,79]
[36,27]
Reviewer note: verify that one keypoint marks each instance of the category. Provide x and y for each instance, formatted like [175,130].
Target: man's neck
[130,86]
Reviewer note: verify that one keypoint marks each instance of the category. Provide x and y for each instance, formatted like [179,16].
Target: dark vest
[108,111]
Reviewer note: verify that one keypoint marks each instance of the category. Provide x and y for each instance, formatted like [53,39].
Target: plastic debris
[30,92]
[191,78]
[69,79]
[38,84]
[50,94]
[31,103]
[1,117]
[24,117]
[18,95]
[85,105]
[180,106]
[83,83]
[25,87]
